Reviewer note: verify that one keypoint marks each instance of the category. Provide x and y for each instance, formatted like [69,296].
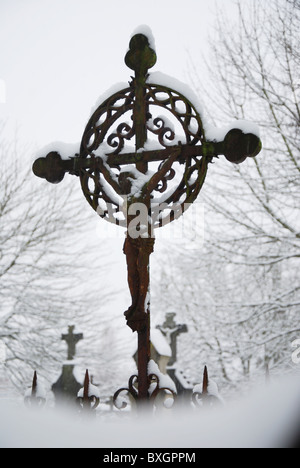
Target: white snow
[66,150]
[211,133]
[115,198]
[137,179]
[184,380]
[266,418]
[160,343]
[93,391]
[161,79]
[146,31]
[117,87]
[197,388]
[212,390]
[40,391]
[164,380]
[152,145]
[121,402]
[218,134]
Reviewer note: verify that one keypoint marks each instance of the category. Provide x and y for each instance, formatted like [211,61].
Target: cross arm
[53,168]
[236,147]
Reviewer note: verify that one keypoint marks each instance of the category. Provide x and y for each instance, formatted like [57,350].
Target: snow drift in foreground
[269,418]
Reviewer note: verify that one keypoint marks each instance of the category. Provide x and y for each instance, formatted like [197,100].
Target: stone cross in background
[67,386]
[71,340]
[171,330]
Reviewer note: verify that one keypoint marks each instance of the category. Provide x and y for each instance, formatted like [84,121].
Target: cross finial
[71,340]
[140,56]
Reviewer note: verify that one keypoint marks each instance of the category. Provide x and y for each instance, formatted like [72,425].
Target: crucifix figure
[171,330]
[147,185]
[72,339]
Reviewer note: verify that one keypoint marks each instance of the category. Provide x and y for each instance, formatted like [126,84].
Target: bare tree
[45,267]
[244,285]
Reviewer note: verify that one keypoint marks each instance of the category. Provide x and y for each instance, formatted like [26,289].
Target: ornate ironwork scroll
[107,133]
[155,391]
[168,396]
[131,390]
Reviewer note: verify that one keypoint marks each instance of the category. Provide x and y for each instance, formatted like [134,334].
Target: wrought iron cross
[160,176]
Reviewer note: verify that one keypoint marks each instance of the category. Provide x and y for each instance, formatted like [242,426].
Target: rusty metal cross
[161,180]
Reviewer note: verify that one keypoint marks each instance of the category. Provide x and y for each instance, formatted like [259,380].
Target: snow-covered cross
[160,176]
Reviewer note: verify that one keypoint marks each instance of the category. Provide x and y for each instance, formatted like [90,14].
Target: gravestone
[65,389]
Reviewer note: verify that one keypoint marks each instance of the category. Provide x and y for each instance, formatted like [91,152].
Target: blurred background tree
[52,273]
[240,291]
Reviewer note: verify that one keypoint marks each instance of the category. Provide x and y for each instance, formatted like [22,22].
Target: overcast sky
[58,56]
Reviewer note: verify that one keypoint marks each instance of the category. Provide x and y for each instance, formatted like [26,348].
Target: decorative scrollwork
[181,108]
[104,117]
[131,390]
[90,402]
[117,139]
[155,390]
[106,134]
[162,185]
[186,191]
[168,395]
[163,132]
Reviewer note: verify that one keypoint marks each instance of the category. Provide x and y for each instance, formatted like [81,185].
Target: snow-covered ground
[268,418]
